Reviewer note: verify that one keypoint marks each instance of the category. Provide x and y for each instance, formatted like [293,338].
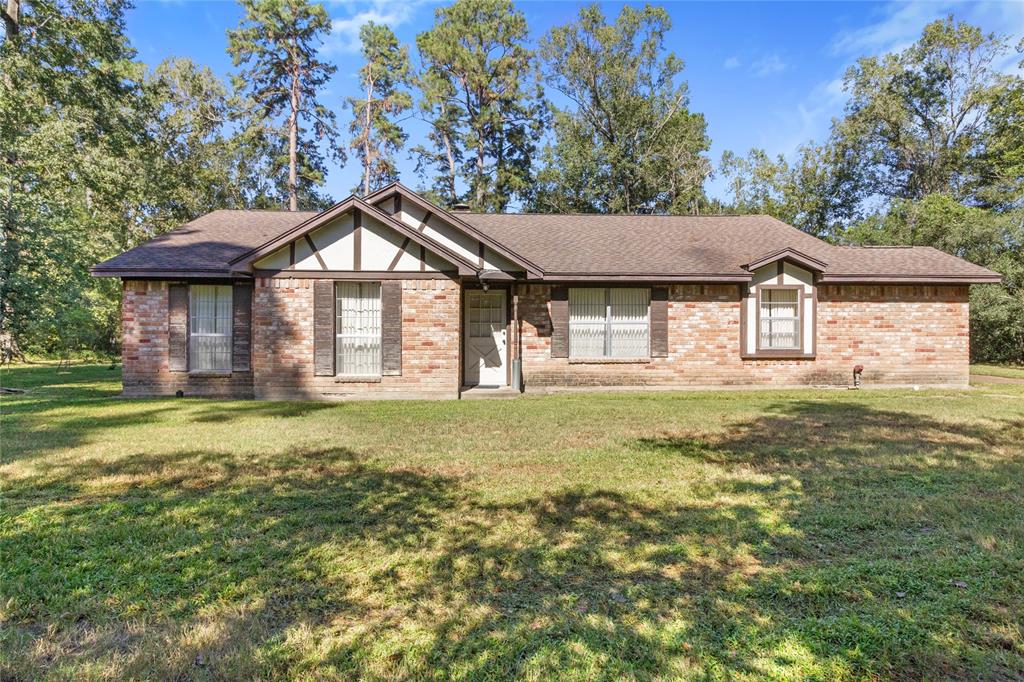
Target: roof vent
[460,208]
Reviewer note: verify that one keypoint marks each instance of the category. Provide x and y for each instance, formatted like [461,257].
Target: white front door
[486,342]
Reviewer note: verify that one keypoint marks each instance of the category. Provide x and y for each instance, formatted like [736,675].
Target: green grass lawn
[746,535]
[1006,371]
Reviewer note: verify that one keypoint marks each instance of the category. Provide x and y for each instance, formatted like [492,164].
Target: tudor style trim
[361,275]
[533,271]
[359,207]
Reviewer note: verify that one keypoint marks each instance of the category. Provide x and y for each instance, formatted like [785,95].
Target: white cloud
[900,24]
[345,30]
[731,63]
[768,65]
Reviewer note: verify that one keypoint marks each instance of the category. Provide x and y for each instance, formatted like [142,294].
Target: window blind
[780,318]
[609,322]
[210,322]
[358,340]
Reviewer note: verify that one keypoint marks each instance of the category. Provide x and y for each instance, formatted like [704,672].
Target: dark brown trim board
[788,254]
[744,292]
[632,279]
[362,275]
[357,239]
[316,252]
[194,276]
[398,256]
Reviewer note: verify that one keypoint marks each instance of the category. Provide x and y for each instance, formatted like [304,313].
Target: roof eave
[646,277]
[156,273]
[787,254]
[909,279]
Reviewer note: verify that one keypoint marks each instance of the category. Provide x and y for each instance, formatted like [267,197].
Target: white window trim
[609,324]
[798,320]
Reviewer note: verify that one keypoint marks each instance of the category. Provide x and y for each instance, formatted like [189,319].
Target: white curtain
[358,329]
[210,327]
[628,322]
[780,318]
[610,322]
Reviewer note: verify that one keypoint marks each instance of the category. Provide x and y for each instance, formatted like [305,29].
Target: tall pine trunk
[367,133]
[293,138]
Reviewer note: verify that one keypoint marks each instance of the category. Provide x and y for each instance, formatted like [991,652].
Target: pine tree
[277,43]
[482,99]
[376,136]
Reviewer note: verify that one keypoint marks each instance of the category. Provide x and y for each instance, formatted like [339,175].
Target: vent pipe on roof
[460,208]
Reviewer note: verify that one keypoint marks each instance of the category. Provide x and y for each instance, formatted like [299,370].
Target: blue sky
[764,75]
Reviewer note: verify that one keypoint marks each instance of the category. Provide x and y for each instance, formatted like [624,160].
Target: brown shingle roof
[581,244]
[206,244]
[574,245]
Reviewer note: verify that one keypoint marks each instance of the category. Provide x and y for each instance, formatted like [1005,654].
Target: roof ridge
[618,215]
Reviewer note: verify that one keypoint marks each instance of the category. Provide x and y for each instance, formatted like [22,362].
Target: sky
[764,74]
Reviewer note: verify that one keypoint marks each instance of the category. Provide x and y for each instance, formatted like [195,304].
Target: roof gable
[407,195]
[245,261]
[788,254]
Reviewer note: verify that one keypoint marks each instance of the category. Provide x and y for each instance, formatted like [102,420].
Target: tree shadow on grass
[786,561]
[44,428]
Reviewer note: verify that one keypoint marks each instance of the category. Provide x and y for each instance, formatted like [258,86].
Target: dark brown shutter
[177,327]
[659,322]
[241,327]
[323,328]
[391,326]
[559,322]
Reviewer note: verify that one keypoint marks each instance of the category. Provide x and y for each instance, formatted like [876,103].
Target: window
[779,319]
[609,323]
[358,330]
[209,340]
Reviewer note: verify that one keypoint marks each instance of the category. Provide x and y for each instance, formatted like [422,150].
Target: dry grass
[785,535]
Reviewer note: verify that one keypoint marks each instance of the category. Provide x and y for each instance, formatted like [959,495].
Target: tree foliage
[921,121]
[628,142]
[480,95]
[930,152]
[276,44]
[376,136]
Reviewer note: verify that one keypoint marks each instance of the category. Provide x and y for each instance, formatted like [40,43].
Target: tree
[630,143]
[478,98]
[277,43]
[70,102]
[986,237]
[921,121]
[815,193]
[375,135]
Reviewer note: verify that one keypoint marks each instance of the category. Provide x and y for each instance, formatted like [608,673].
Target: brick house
[392,296]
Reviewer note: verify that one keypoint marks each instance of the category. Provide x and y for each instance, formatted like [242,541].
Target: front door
[485,338]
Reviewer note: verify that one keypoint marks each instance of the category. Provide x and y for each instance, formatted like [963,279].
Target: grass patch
[783,535]
[1007,371]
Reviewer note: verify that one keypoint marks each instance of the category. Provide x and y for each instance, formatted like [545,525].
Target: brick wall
[145,350]
[283,343]
[901,334]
